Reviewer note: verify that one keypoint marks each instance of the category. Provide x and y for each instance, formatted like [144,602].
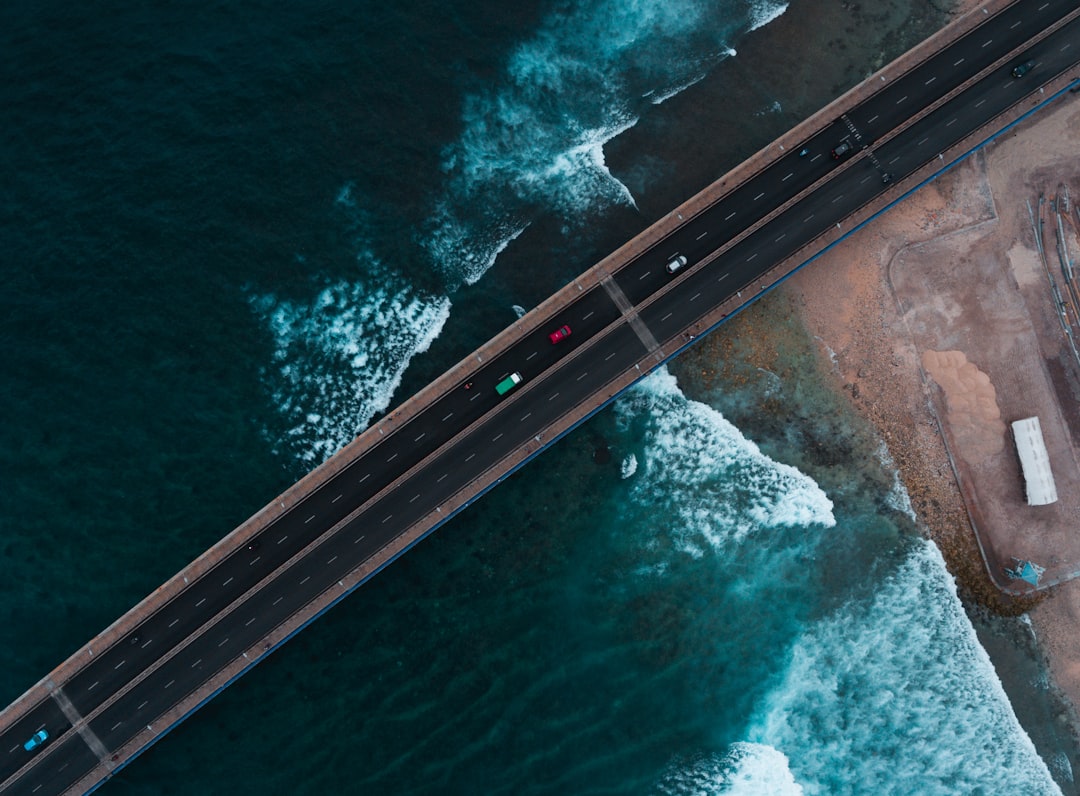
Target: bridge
[457,438]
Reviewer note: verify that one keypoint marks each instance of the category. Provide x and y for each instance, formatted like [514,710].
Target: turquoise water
[237,234]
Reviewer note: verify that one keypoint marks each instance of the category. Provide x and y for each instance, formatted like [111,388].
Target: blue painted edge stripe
[544,446]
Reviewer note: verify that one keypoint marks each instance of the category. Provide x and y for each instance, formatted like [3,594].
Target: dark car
[841,149]
[676,264]
[559,334]
[1022,69]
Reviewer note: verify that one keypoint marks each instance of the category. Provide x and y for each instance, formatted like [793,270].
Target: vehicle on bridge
[840,150]
[677,264]
[36,740]
[1022,69]
[559,334]
[509,383]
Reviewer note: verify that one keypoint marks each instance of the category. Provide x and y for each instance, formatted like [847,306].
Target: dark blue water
[234,233]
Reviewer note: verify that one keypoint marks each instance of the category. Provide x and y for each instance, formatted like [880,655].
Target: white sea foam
[747,769]
[765,12]
[715,485]
[895,696]
[534,143]
[898,497]
[628,466]
[339,357]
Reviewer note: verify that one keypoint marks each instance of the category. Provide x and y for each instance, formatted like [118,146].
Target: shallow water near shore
[244,232]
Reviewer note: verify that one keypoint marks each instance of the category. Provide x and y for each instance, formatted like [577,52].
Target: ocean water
[235,234]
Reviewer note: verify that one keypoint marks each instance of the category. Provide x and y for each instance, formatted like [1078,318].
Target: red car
[559,334]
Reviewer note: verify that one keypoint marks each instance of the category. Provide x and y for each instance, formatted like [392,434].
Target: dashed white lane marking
[751,257]
[120,664]
[579,378]
[986,44]
[609,356]
[530,356]
[438,480]
[702,235]
[951,121]
[496,438]
[931,80]
[279,599]
[644,275]
[863,181]
[474,397]
[249,622]
[283,538]
[147,644]
[143,705]
[223,642]
[894,160]
[309,519]
[695,297]
[837,199]
[808,218]
[230,580]
[335,500]
[785,179]
[169,683]
[553,396]
[392,458]
[782,236]
[173,622]
[200,602]
[759,196]
[305,580]
[661,321]
[901,99]
[729,216]
[470,457]
[959,62]
[525,417]
[722,277]
[815,157]
[414,498]
[872,119]
[366,477]
[196,663]
[358,539]
[920,143]
[91,688]
[331,560]
[386,519]
[113,728]
[588,315]
[448,417]
[420,437]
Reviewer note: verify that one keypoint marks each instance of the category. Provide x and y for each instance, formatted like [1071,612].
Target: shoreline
[874,361]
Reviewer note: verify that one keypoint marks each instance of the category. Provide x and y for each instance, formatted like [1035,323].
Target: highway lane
[875,117]
[743,207]
[852,186]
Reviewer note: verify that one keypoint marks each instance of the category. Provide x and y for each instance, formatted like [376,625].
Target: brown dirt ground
[914,342]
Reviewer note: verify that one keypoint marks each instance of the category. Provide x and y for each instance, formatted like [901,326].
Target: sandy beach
[883,357]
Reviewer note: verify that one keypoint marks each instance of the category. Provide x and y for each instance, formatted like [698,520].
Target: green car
[507,384]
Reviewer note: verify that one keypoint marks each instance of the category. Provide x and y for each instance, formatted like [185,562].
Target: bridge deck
[446,446]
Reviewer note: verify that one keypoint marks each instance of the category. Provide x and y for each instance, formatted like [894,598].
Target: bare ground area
[947,331]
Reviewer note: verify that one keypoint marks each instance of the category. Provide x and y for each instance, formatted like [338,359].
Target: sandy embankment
[893,376]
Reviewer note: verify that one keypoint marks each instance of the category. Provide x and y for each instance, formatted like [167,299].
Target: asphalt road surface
[469,430]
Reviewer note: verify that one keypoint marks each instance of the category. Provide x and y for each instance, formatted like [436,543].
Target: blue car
[36,740]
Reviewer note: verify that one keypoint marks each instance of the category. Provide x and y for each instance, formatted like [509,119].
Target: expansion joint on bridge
[80,726]
[632,317]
